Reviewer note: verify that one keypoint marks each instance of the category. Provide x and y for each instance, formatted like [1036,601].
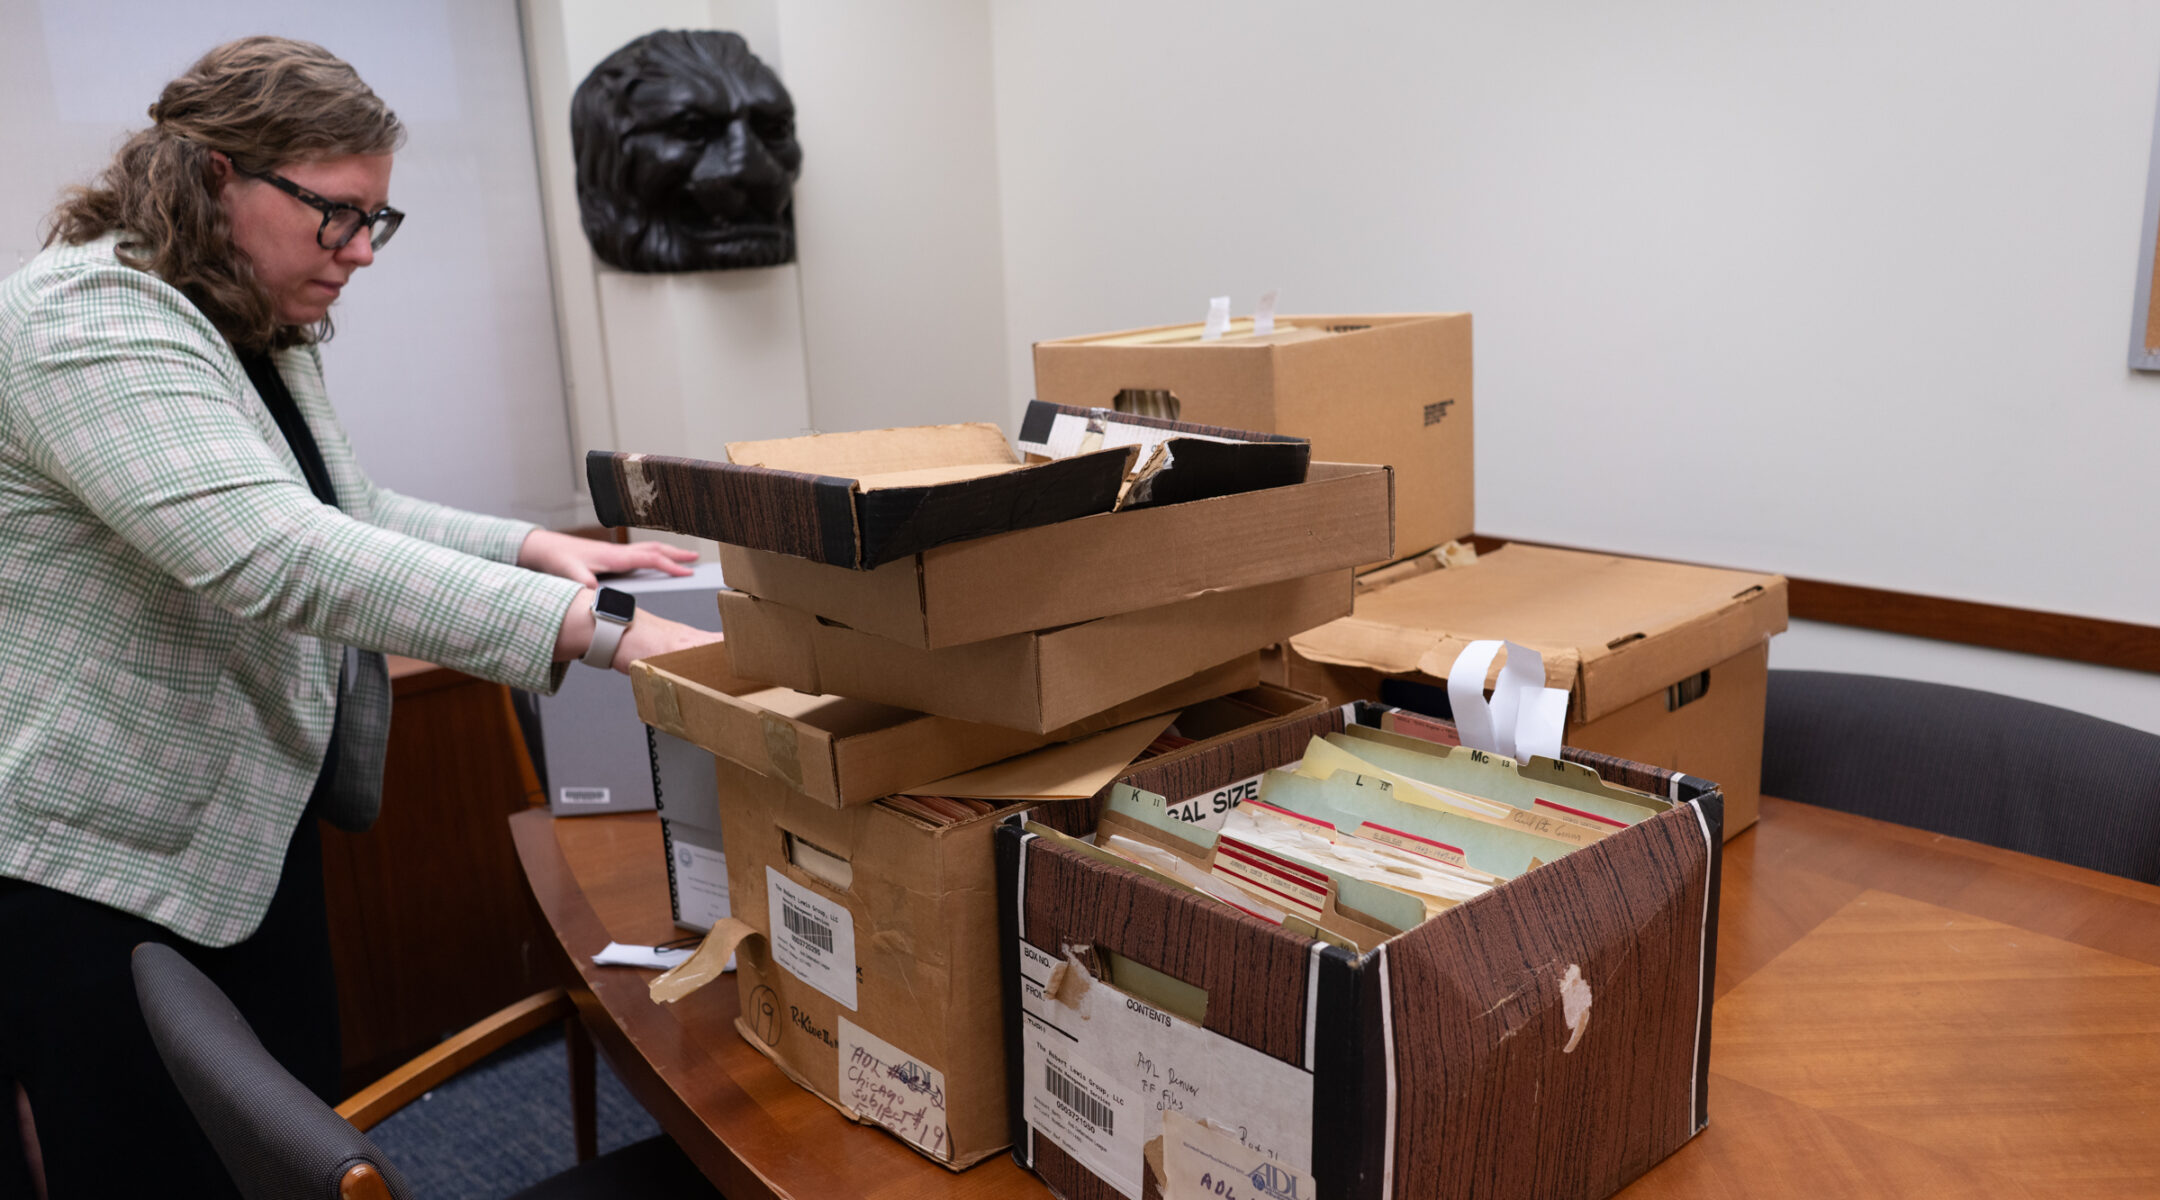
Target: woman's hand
[649,634]
[582,559]
[654,634]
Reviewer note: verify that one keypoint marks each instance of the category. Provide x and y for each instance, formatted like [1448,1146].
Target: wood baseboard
[2094,640]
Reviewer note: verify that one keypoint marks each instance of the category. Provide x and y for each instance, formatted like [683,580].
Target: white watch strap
[606,636]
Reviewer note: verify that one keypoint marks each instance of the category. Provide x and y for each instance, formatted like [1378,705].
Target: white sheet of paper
[616,954]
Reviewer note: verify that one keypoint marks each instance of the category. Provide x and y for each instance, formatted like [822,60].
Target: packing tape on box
[708,964]
[1523,720]
[781,750]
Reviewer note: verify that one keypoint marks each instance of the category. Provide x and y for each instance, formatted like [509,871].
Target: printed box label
[814,938]
[701,892]
[1100,1076]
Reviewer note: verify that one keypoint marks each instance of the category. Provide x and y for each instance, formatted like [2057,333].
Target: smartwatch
[612,611]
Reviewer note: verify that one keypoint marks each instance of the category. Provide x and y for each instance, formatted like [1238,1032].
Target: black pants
[108,1117]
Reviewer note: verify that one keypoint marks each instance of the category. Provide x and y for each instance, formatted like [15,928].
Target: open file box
[1435,1064]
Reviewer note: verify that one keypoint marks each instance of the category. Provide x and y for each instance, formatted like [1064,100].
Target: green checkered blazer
[175,604]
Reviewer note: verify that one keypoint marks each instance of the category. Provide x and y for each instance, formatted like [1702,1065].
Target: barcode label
[807,927]
[811,936]
[1075,1098]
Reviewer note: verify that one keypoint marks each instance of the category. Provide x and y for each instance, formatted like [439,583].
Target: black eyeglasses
[340,221]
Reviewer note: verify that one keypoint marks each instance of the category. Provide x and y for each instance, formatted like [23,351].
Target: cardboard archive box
[1392,389]
[1664,663]
[865,498]
[1548,1038]
[875,979]
[1033,681]
[1092,567]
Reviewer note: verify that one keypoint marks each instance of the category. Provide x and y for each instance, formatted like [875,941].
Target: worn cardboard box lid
[864,498]
[1389,388]
[1611,629]
[1042,680]
[841,751]
[1096,566]
[855,499]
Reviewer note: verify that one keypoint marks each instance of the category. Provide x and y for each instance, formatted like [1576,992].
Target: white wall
[1836,290]
[897,213]
[444,367]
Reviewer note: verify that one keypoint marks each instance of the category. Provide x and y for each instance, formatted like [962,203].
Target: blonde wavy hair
[264,102]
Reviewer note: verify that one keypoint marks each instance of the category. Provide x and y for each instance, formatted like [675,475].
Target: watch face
[618,605]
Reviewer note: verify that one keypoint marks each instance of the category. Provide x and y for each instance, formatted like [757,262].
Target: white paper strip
[1466,696]
[1263,318]
[1218,319]
[1524,718]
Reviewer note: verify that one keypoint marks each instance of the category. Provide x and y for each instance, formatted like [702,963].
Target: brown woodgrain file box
[918,905]
[1437,1064]
[1389,389]
[1097,566]
[1033,681]
[1664,663]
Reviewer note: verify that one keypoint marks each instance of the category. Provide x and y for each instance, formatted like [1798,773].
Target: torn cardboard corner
[1074,770]
[1098,566]
[1033,681]
[1392,389]
[1178,463]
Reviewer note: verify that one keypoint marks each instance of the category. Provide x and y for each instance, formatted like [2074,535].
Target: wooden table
[1898,1014]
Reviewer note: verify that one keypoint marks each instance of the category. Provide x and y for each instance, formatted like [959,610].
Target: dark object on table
[686,155]
[1995,769]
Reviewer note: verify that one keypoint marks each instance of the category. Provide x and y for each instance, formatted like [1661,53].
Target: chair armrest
[372,1104]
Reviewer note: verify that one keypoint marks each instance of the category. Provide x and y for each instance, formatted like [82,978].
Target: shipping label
[1100,1074]
[814,938]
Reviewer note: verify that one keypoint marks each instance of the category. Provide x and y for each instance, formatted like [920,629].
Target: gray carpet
[504,1124]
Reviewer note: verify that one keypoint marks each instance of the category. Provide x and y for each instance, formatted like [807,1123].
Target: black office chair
[279,1142]
[1988,768]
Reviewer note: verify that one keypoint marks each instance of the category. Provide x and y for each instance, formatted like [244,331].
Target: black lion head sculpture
[686,156]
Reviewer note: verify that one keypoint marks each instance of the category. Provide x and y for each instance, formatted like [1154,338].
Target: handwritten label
[1546,825]
[1277,879]
[701,893]
[1420,846]
[883,1084]
[1201,1159]
[814,938]
[1137,1062]
[1208,811]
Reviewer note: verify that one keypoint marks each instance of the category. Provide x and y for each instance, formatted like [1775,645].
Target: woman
[196,585]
